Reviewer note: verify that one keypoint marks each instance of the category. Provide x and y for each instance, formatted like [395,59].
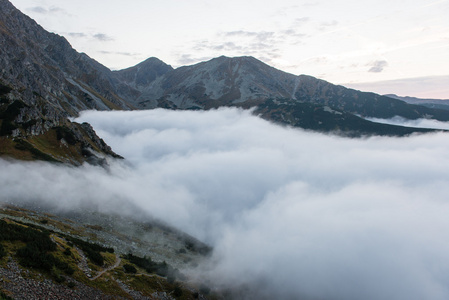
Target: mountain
[143,74]
[43,81]
[431,103]
[301,101]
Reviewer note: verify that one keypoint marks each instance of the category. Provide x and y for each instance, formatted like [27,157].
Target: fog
[290,213]
[418,123]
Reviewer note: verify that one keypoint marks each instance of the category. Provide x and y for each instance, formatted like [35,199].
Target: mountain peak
[237,59]
[142,74]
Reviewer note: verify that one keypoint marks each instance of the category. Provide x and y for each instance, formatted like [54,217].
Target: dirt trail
[118,260]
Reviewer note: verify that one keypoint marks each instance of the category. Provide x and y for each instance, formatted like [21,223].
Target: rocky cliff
[43,81]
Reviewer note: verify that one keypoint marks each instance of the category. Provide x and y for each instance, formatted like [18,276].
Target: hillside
[45,256]
[43,82]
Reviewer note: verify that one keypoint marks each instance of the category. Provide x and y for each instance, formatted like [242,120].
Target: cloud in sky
[265,45]
[378,66]
[43,10]
[436,87]
[102,37]
[77,34]
[290,213]
[121,53]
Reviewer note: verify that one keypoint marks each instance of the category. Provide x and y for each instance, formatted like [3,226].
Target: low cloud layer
[290,213]
[418,123]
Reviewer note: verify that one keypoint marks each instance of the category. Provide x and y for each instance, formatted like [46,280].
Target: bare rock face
[43,81]
[143,74]
[45,65]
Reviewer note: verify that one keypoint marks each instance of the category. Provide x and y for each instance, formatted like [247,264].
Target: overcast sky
[342,41]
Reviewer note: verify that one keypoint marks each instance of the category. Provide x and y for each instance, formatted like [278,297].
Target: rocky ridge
[43,82]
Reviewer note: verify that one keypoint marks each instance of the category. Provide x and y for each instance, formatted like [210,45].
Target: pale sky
[341,41]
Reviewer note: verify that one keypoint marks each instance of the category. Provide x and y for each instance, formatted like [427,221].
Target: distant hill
[431,103]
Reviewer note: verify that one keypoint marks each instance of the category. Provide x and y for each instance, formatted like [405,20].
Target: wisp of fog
[291,214]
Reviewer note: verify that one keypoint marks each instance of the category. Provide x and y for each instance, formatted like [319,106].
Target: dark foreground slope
[45,256]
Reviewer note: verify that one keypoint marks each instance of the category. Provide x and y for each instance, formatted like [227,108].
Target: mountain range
[432,103]
[44,83]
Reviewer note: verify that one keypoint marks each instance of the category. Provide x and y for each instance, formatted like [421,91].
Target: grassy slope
[67,251]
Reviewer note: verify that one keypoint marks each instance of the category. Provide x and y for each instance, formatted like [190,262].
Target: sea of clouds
[291,214]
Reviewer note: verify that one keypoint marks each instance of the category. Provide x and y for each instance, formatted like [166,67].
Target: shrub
[161,269]
[129,269]
[177,292]
[2,251]
[92,250]
[67,252]
[63,132]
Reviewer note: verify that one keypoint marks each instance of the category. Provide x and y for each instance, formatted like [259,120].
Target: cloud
[378,66]
[291,214]
[97,36]
[102,37]
[260,36]
[326,25]
[120,53]
[77,34]
[43,10]
[265,45]
[436,87]
[300,21]
[329,24]
[38,9]
[419,123]
[188,59]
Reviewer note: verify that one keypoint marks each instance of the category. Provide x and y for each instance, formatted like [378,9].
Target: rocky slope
[43,81]
[44,64]
[143,74]
[94,256]
[301,101]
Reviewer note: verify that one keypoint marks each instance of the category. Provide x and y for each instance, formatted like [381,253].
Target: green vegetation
[196,247]
[36,153]
[2,251]
[51,255]
[161,269]
[37,252]
[92,250]
[3,296]
[129,269]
